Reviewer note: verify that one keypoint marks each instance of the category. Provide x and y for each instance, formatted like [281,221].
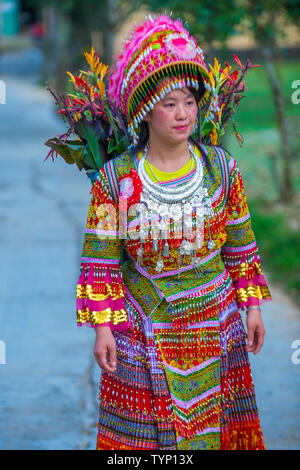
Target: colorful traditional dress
[183,378]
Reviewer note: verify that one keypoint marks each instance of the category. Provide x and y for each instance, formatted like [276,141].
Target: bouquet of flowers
[97,129]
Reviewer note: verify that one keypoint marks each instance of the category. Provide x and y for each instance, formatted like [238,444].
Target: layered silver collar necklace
[160,204]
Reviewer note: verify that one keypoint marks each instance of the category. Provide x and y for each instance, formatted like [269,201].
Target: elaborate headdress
[158,48]
[158,56]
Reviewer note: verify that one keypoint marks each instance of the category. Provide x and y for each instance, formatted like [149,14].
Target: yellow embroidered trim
[260,292]
[80,291]
[105,316]
[83,292]
[244,268]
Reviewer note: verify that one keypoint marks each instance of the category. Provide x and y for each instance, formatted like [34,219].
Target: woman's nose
[181,112]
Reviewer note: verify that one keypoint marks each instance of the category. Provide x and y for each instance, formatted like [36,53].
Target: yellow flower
[72,96]
[212,79]
[91,59]
[223,77]
[92,93]
[216,68]
[101,87]
[103,69]
[214,136]
[98,68]
[72,77]
[77,116]
[219,113]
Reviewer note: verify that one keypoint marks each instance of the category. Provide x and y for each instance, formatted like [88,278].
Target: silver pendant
[140,252]
[159,265]
[166,250]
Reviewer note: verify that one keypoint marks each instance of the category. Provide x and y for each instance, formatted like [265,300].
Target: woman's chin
[179,137]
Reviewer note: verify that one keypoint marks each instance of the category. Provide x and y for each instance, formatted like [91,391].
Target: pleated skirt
[179,385]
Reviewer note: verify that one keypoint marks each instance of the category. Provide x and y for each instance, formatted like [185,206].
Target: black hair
[143,136]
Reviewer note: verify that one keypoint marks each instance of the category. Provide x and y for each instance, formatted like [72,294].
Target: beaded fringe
[104,443]
[135,401]
[104,280]
[243,436]
[100,295]
[246,264]
[239,381]
[100,282]
[190,344]
[200,307]
[199,417]
[100,189]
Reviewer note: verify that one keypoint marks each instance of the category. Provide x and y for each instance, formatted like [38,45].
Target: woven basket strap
[112,178]
[113,172]
[114,169]
[224,167]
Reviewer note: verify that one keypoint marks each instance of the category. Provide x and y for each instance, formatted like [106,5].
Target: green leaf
[71,151]
[111,145]
[118,148]
[88,133]
[207,128]
[89,159]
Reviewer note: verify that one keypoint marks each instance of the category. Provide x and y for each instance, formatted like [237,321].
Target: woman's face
[174,117]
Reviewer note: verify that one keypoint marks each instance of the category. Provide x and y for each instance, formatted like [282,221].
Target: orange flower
[97,68]
[214,137]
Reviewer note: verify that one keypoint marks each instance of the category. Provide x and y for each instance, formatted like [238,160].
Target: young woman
[170,338]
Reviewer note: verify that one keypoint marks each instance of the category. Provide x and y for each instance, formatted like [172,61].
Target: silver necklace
[171,194]
[158,180]
[174,203]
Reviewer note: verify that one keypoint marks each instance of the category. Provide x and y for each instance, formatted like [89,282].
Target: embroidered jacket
[231,270]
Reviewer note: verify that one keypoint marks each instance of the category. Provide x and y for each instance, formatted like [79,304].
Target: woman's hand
[105,349]
[255,331]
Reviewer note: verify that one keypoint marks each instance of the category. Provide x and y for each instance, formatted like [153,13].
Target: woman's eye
[170,104]
[190,103]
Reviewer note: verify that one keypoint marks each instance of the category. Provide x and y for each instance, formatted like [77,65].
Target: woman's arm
[100,289]
[105,349]
[241,258]
[255,330]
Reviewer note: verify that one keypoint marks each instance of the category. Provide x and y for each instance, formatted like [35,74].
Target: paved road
[48,392]
[49,384]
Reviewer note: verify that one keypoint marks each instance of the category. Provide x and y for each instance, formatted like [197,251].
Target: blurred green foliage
[279,245]
[257,111]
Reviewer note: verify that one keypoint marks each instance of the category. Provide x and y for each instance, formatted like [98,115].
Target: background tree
[75,25]
[263,17]
[292,9]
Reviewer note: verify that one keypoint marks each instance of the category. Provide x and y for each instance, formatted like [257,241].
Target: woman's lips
[181,128]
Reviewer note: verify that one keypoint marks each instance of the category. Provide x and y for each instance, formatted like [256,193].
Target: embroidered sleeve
[100,289]
[240,252]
